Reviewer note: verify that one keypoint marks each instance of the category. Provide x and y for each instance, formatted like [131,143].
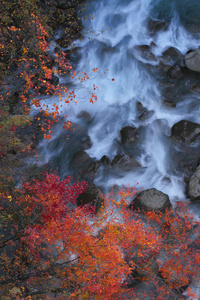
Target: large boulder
[185,132]
[86,165]
[192,60]
[194,186]
[90,196]
[81,158]
[172,53]
[170,57]
[128,134]
[151,199]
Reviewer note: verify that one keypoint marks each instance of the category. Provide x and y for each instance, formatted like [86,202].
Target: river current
[122,51]
[125,53]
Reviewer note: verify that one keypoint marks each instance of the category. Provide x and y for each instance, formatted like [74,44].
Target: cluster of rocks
[121,162]
[181,72]
[185,134]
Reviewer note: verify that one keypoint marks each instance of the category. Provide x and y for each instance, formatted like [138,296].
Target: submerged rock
[175,72]
[146,52]
[85,116]
[151,199]
[139,106]
[170,57]
[147,114]
[173,53]
[81,158]
[169,103]
[125,162]
[155,26]
[105,160]
[128,135]
[185,132]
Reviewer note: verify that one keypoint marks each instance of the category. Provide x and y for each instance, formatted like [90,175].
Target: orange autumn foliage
[26,59]
[55,246]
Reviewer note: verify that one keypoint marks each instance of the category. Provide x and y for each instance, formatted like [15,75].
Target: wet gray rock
[195,88]
[164,66]
[125,162]
[90,196]
[169,92]
[147,114]
[86,165]
[139,106]
[171,55]
[185,132]
[194,186]
[151,199]
[86,142]
[192,60]
[81,158]
[142,112]
[169,103]
[167,84]
[78,138]
[128,135]
[146,52]
[85,116]
[175,72]
[155,26]
[185,158]
[92,170]
[105,160]
[172,52]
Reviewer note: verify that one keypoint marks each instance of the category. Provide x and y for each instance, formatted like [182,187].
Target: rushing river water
[125,54]
[130,81]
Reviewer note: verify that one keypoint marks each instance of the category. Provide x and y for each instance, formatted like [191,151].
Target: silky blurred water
[113,31]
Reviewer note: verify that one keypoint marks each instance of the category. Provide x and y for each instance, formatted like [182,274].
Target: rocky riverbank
[20,134]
